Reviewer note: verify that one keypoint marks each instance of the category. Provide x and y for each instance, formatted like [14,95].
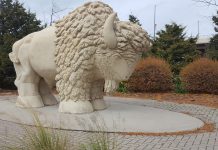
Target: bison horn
[109,33]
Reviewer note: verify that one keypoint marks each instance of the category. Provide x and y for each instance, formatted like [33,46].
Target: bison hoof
[75,107]
[99,104]
[49,100]
[29,101]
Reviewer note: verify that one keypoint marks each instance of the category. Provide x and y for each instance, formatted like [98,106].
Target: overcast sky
[184,12]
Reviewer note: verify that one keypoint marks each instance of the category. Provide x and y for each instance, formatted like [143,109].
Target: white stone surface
[77,54]
[121,116]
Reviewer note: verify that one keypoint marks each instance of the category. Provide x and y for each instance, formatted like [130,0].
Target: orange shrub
[151,75]
[201,76]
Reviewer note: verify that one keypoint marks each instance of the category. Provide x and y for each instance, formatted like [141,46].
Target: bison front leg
[77,99]
[97,95]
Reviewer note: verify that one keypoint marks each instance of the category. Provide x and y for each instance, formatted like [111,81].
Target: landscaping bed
[208,100]
[8,92]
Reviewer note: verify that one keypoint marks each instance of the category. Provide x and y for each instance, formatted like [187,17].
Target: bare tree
[208,2]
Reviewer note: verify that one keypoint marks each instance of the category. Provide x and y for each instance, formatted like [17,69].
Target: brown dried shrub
[151,75]
[201,76]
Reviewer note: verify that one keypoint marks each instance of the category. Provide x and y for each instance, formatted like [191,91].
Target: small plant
[99,140]
[40,138]
[122,87]
[178,85]
[201,76]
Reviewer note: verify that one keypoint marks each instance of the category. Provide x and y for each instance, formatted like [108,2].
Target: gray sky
[184,12]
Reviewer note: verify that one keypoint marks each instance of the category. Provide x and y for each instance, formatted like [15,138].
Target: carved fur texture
[80,39]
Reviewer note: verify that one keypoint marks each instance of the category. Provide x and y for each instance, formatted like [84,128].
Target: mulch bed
[208,127]
[8,92]
[208,100]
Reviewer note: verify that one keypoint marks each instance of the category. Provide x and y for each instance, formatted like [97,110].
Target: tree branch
[208,2]
[53,12]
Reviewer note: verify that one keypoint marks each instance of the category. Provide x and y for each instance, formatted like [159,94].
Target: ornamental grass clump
[201,76]
[151,75]
[99,139]
[40,138]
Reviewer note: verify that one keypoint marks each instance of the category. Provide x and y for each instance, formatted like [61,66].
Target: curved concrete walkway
[120,116]
[202,141]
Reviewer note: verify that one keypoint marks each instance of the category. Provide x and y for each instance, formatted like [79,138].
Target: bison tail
[14,54]
[13,57]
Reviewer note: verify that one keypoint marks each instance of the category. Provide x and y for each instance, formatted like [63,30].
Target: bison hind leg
[27,82]
[47,97]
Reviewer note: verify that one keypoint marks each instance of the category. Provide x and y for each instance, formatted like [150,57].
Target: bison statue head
[124,43]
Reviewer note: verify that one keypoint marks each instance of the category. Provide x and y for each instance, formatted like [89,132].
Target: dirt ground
[7,92]
[208,127]
[208,100]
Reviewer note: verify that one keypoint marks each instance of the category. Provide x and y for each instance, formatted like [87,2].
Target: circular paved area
[201,141]
[120,116]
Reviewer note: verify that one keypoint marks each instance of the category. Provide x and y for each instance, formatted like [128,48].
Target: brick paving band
[9,131]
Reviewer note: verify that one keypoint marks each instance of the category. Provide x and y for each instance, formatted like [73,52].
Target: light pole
[155,25]
[198,28]
[1,11]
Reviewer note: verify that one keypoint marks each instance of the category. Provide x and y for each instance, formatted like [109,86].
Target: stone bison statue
[76,54]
